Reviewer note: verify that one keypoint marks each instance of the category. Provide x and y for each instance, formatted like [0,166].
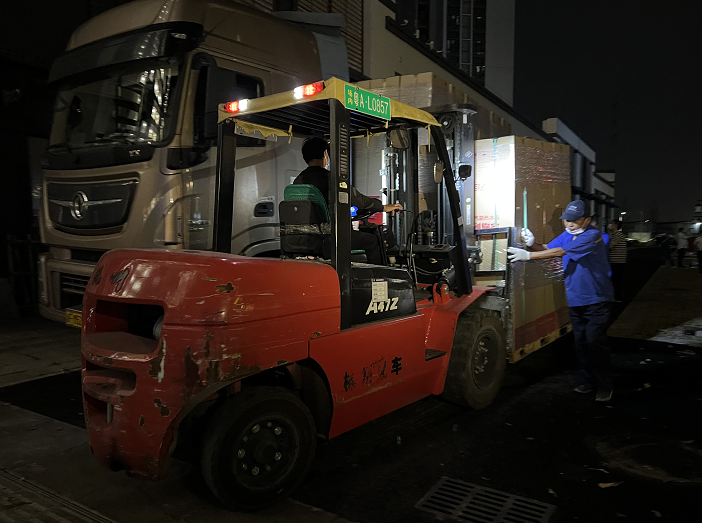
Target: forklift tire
[257,448]
[478,359]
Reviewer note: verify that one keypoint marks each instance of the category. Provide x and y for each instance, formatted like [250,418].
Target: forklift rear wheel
[258,446]
[478,359]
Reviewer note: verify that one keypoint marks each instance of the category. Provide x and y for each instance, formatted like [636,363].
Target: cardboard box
[521,182]
[426,90]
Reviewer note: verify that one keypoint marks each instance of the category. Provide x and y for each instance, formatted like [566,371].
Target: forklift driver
[315,152]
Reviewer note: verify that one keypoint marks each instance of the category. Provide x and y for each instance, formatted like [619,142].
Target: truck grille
[81,207]
[74,284]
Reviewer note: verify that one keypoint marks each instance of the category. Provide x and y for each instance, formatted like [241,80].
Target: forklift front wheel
[478,359]
[258,446]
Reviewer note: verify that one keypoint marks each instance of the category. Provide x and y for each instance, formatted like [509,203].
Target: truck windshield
[131,105]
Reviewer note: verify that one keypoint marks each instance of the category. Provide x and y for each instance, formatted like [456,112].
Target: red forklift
[251,360]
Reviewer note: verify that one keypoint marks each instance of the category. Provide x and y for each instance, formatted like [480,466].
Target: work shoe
[603,395]
[583,389]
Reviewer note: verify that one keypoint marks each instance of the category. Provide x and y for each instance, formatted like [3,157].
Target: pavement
[47,472]
[667,309]
[638,458]
[32,348]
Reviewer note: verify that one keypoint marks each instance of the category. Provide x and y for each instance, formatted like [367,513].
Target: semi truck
[132,149]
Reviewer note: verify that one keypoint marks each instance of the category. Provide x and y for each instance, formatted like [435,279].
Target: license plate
[74,318]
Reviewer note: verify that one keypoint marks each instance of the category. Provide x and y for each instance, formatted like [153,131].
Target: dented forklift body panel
[226,317]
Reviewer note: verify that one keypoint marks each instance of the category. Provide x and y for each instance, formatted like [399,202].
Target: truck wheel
[257,448]
[478,359]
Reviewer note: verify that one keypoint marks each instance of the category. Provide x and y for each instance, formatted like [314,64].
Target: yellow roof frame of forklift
[332,88]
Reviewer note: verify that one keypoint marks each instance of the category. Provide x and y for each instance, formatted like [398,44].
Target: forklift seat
[309,192]
[305,224]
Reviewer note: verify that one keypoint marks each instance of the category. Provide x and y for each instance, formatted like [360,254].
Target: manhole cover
[457,500]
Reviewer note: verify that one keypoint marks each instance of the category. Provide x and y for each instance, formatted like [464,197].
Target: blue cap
[574,211]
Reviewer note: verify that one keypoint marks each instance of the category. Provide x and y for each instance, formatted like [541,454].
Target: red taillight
[312,89]
[308,90]
[235,107]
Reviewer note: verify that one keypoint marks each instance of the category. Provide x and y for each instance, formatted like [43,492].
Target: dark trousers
[618,280]
[590,324]
[681,256]
[369,243]
[699,261]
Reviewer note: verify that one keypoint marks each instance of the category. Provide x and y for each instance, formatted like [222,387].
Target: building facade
[589,184]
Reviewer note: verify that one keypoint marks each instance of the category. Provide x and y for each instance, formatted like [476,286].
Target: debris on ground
[599,470]
[607,485]
[656,513]
[552,492]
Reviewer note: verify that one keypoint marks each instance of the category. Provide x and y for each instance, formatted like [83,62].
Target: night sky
[627,77]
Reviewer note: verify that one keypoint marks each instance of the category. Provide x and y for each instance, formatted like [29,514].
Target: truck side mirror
[438,172]
[464,171]
[399,139]
[221,87]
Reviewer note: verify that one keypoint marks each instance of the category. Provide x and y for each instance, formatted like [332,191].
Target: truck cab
[132,150]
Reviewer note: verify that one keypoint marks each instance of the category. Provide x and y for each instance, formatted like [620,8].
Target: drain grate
[457,500]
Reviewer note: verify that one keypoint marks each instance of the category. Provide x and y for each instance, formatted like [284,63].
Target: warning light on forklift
[235,107]
[308,90]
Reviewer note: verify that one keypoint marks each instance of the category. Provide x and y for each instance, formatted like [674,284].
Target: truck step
[430,354]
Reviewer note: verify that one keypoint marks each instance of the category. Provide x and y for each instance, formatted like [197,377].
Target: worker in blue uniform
[588,289]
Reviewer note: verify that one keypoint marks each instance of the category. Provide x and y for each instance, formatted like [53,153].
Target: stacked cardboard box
[521,182]
[427,90]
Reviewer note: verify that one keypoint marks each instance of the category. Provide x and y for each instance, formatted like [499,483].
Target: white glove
[515,255]
[528,237]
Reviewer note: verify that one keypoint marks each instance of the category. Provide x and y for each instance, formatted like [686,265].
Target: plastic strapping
[290,134]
